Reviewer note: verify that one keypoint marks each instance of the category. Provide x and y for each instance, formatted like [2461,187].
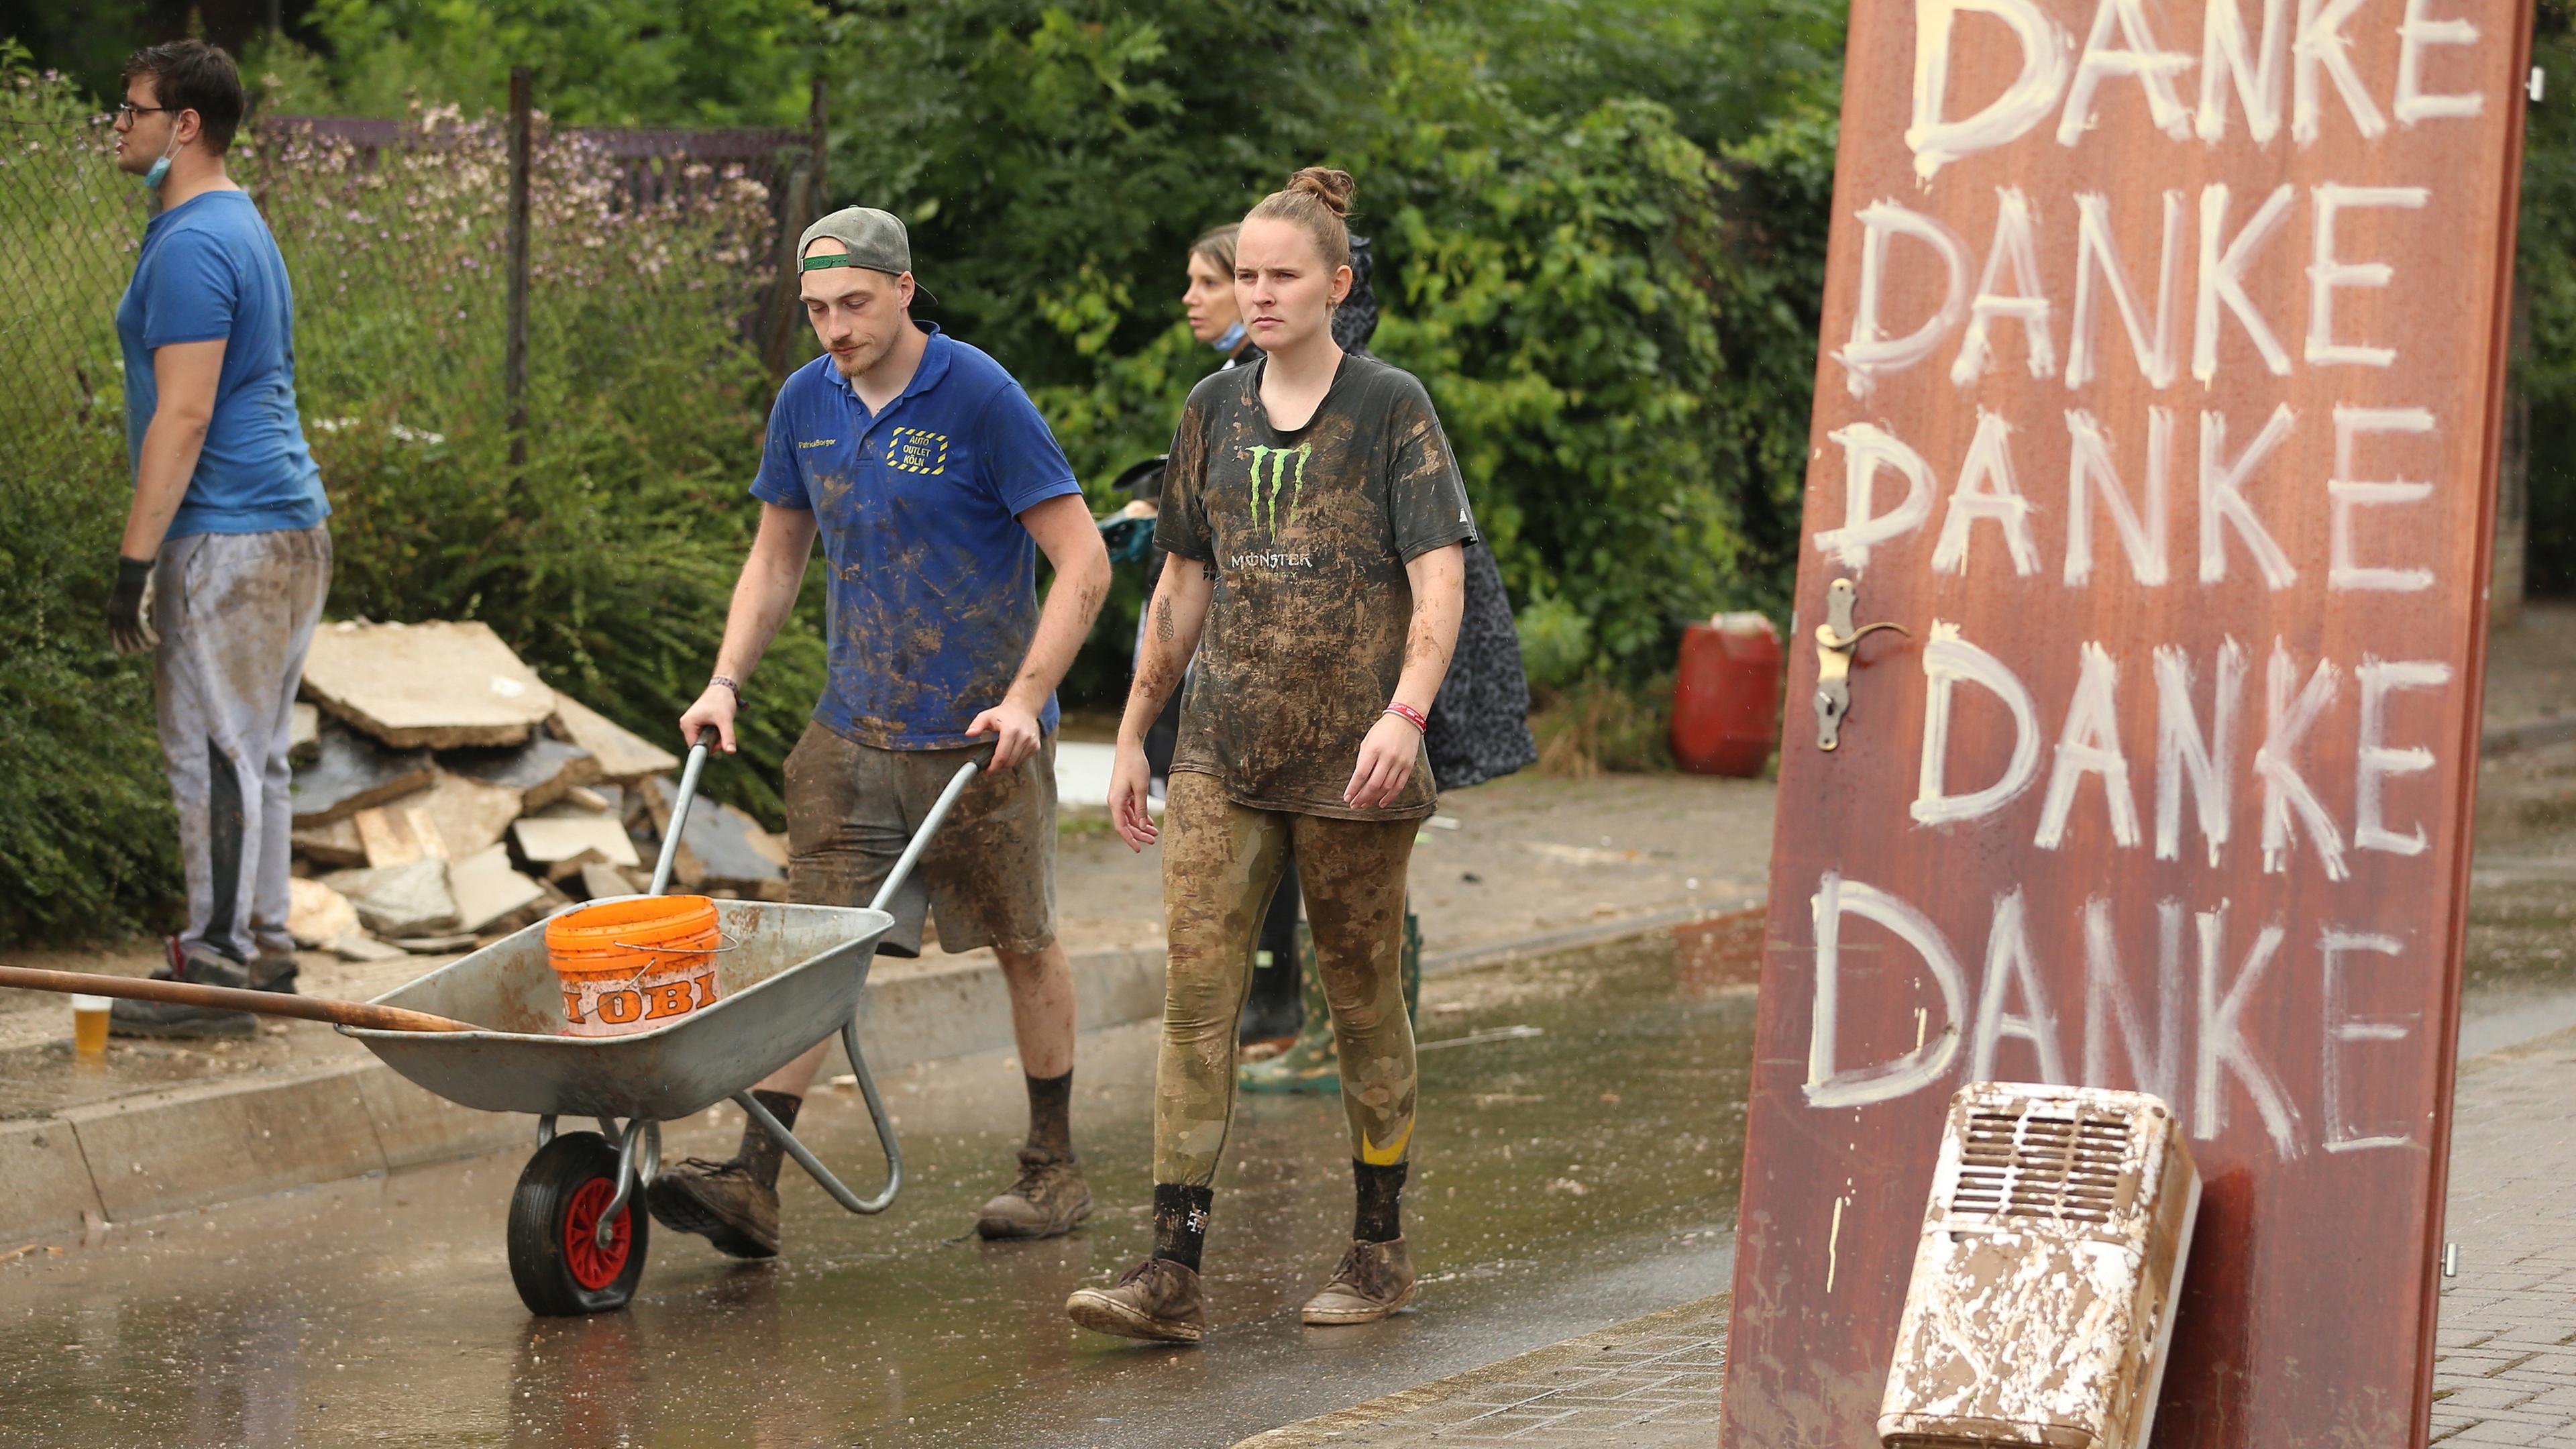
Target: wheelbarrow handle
[894,880]
[680,810]
[921,838]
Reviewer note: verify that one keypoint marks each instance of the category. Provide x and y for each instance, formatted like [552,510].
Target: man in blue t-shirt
[225,559]
[933,484]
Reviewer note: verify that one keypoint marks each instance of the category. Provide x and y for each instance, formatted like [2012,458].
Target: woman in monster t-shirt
[1315,520]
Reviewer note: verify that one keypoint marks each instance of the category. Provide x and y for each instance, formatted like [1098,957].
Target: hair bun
[1329,186]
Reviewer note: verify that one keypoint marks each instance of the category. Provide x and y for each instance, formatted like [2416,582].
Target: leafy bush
[86,836]
[1556,643]
[1601,724]
[2547,278]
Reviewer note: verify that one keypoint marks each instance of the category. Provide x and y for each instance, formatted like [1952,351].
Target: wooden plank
[2142,414]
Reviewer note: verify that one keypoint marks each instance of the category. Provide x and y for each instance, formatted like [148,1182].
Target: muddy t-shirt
[934,578]
[1308,533]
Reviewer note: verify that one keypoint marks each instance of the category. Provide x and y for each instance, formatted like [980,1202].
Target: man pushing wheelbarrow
[932,482]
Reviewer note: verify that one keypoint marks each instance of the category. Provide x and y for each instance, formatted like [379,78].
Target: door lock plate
[1835,641]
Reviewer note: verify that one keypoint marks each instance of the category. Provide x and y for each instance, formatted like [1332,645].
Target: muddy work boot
[198,966]
[1157,1301]
[725,1202]
[1047,1200]
[1373,1281]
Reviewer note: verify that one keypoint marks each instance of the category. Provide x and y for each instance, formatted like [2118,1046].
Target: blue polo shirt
[934,579]
[209,269]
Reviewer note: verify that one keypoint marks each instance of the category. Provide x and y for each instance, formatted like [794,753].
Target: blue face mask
[1232,339]
[160,171]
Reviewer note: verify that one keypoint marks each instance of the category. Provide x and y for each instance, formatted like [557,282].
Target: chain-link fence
[73,222]
[601,538]
[647,249]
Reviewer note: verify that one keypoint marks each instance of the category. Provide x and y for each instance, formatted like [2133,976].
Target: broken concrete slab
[487,889]
[542,770]
[471,815]
[317,915]
[543,842]
[398,834]
[722,846]
[622,754]
[401,900]
[303,731]
[588,800]
[435,945]
[572,866]
[334,844]
[599,878]
[359,946]
[439,685]
[352,772]
[571,808]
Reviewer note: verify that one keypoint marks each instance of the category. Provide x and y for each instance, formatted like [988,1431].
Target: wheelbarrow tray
[789,977]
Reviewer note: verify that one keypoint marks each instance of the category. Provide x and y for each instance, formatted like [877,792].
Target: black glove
[129,609]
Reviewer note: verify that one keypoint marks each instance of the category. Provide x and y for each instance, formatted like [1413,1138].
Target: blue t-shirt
[209,270]
[934,579]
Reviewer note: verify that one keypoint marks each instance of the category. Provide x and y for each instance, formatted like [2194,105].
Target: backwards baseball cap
[869,238]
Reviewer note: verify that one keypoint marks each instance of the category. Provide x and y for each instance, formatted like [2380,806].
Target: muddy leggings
[1220,863]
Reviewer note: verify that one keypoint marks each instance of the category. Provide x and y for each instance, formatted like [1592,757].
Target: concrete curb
[220,1141]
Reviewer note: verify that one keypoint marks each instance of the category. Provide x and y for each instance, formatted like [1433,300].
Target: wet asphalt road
[1562,1182]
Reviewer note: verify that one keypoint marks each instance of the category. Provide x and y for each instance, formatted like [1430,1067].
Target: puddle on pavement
[1563,1181]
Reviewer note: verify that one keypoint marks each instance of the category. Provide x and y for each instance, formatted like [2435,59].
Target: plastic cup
[89,1025]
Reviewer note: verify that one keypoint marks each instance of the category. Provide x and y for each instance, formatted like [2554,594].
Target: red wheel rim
[595,1267]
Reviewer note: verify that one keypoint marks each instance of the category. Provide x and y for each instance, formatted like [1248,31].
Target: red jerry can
[1726,696]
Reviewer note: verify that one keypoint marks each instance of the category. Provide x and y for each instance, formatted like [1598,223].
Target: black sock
[1051,1117]
[1180,1222]
[1381,1208]
[760,1152]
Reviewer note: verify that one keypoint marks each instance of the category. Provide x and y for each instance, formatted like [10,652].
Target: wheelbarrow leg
[814,1165]
[639,1161]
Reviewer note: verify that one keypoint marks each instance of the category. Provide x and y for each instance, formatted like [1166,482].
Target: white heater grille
[2045,1163]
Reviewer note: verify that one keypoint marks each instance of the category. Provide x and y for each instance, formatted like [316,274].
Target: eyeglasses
[126,111]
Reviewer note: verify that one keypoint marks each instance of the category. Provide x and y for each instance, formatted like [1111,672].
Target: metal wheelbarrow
[787,977]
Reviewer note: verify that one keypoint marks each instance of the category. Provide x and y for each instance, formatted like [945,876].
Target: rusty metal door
[2157,404]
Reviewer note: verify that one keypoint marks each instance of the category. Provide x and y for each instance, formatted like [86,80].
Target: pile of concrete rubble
[445,796]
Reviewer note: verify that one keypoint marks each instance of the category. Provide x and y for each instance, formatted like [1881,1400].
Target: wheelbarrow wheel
[555,1259]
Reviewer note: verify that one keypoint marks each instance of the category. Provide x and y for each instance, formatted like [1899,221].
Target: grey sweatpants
[235,612]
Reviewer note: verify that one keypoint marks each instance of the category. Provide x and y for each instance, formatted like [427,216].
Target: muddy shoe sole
[678,1209]
[997,1229]
[1314,1317]
[1094,1309]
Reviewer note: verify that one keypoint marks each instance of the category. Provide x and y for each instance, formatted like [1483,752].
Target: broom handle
[230,998]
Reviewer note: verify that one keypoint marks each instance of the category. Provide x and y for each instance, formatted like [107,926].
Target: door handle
[1835,641]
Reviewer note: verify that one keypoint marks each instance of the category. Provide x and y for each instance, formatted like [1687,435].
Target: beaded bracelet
[1408,714]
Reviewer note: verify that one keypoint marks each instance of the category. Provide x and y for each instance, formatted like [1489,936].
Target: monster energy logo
[1274,463]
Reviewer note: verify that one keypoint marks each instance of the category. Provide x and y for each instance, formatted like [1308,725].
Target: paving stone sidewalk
[1651,1383]
[2506,1368]
[2505,1372]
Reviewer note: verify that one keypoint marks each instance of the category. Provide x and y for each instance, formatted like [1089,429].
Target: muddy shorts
[989,873]
[1220,863]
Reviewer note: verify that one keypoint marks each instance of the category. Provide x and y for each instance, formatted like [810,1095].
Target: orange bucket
[633,965]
